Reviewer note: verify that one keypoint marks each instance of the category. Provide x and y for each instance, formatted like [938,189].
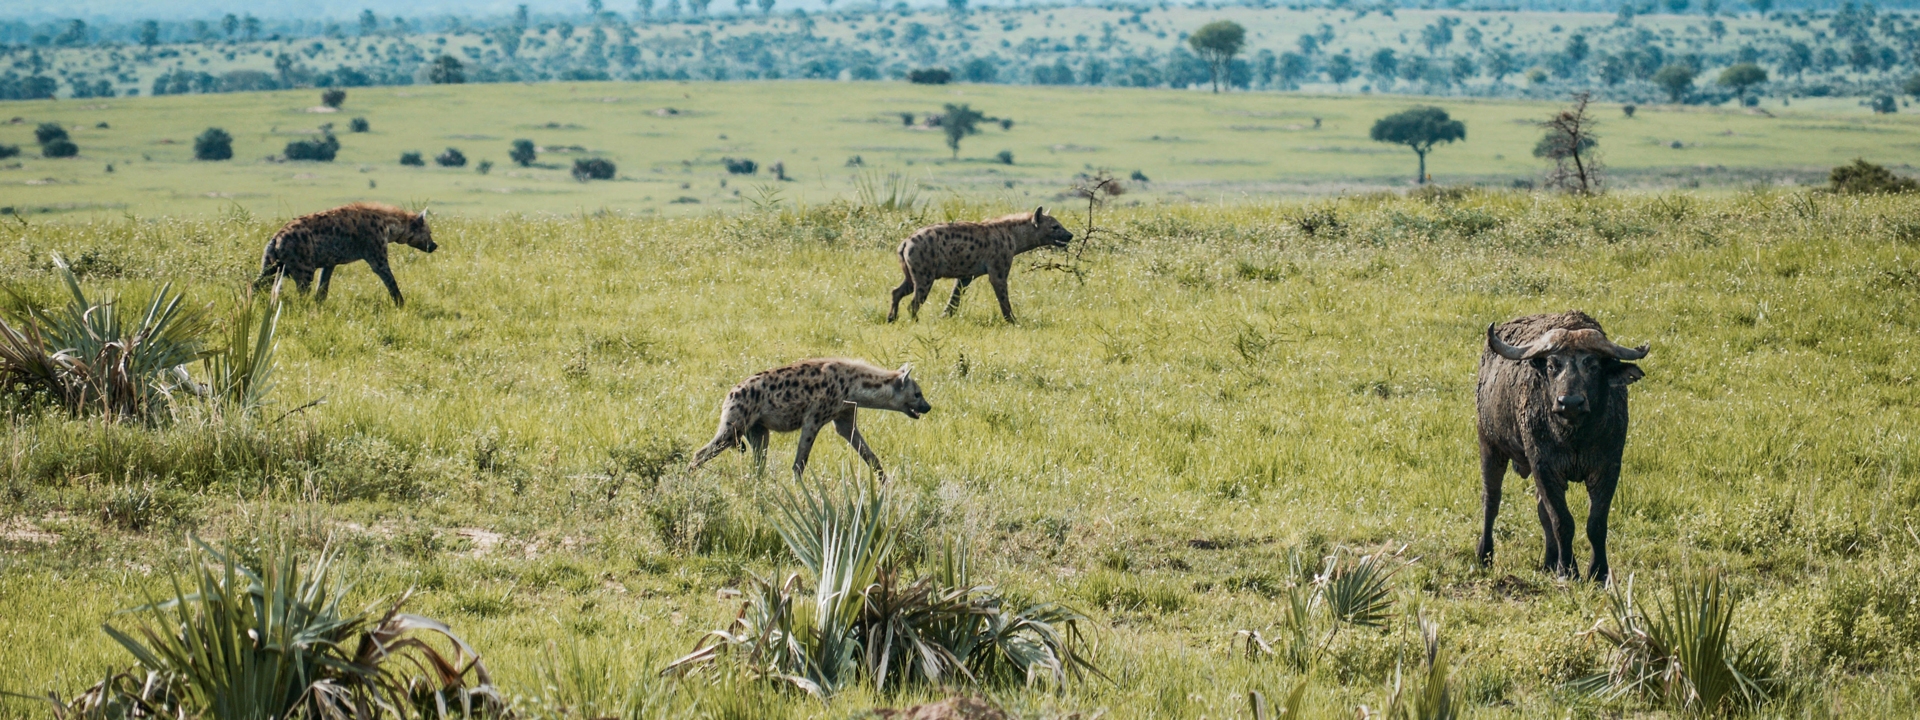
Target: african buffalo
[1553,401]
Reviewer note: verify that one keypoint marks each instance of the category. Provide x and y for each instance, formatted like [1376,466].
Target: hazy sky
[121,10]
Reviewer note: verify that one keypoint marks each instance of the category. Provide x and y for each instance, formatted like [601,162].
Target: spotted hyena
[345,234]
[805,396]
[967,250]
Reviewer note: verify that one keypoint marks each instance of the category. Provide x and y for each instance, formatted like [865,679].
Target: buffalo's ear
[1624,374]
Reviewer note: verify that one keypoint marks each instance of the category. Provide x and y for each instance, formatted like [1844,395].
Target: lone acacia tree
[960,121]
[1217,42]
[1569,143]
[1742,76]
[1419,128]
[1676,79]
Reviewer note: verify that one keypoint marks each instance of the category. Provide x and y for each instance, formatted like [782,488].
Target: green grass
[1194,146]
[1217,389]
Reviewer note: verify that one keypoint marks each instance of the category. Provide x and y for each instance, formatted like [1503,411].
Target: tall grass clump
[868,619]
[1683,657]
[237,643]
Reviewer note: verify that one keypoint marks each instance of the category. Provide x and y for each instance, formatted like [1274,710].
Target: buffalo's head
[1579,365]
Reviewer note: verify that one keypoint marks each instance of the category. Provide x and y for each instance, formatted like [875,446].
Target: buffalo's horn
[1500,346]
[1622,352]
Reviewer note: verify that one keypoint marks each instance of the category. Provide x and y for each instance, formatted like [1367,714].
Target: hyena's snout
[918,408]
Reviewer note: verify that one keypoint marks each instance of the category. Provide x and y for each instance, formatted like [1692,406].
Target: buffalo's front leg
[1493,473]
[1600,496]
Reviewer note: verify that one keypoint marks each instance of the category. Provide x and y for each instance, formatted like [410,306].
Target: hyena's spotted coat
[966,250]
[345,234]
[805,396]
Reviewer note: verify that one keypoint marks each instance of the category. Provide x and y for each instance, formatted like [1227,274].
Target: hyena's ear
[1039,212]
[423,216]
[906,371]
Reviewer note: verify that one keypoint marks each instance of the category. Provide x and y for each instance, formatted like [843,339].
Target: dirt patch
[953,708]
[484,541]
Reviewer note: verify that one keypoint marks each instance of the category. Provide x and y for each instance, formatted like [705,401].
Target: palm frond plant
[238,644]
[240,375]
[91,357]
[1348,592]
[869,620]
[1683,657]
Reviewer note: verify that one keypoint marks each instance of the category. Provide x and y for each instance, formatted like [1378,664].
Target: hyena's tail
[733,422]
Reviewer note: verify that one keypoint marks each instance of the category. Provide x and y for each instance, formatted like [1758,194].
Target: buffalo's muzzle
[1570,404]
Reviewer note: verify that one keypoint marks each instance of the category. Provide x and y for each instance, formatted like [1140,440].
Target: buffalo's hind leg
[1493,473]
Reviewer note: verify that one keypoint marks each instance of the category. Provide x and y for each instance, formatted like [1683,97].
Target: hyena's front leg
[380,268]
[808,429]
[757,439]
[326,278]
[998,277]
[845,425]
[953,303]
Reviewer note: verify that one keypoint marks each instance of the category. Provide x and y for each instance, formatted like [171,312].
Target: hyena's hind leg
[732,425]
[905,289]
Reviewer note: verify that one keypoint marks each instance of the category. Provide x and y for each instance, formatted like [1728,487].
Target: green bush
[213,145]
[49,132]
[412,159]
[321,149]
[7,151]
[451,158]
[59,148]
[358,125]
[523,153]
[585,169]
[1865,178]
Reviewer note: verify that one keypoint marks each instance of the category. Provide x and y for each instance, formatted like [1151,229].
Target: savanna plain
[1208,414]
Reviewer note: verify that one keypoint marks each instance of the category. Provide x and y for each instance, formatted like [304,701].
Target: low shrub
[585,169]
[7,151]
[358,125]
[49,132]
[321,149]
[485,166]
[451,158]
[411,158]
[333,98]
[740,166]
[1004,157]
[213,145]
[60,148]
[1865,178]
[929,76]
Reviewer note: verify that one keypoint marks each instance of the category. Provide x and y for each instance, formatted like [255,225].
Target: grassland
[1193,146]
[1217,388]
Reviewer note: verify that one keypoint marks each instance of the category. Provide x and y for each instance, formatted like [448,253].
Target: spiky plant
[240,375]
[1356,593]
[867,619]
[1684,656]
[1432,699]
[244,645]
[91,357]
